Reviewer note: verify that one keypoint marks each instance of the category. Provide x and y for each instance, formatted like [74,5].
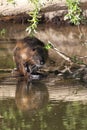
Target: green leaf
[48,46]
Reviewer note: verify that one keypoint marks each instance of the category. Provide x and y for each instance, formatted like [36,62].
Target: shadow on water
[45,104]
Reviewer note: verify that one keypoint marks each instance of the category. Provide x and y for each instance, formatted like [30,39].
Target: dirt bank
[51,9]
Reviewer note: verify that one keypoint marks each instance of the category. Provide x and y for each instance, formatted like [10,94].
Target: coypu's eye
[33,49]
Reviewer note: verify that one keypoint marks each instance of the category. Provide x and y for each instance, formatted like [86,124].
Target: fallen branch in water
[64,56]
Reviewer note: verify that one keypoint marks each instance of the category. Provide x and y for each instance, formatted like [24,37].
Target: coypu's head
[36,49]
[40,56]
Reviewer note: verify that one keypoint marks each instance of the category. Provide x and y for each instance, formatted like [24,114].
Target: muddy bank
[53,11]
[54,89]
[70,40]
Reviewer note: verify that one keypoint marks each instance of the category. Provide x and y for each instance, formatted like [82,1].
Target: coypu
[29,55]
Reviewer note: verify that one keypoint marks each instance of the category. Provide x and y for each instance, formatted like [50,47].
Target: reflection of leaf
[75,116]
[49,108]
[5,115]
[3,32]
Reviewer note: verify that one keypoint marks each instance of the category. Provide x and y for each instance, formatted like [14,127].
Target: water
[38,105]
[47,104]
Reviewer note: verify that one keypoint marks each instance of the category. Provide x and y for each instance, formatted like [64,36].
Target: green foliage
[35,2]
[12,2]
[34,17]
[74,12]
[33,22]
[75,59]
[48,46]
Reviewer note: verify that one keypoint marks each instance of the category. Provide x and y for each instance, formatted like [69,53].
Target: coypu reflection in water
[29,55]
[31,95]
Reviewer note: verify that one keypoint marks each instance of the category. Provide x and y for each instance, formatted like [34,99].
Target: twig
[5,70]
[82,57]
[64,56]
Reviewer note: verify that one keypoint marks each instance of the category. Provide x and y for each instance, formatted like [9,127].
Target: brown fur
[29,52]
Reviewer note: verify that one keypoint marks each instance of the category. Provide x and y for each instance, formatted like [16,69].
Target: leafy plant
[48,46]
[33,22]
[75,59]
[34,17]
[12,2]
[74,12]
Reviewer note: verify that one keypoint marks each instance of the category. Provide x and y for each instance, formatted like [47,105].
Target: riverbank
[52,11]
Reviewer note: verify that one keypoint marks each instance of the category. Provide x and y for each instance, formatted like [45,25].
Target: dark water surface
[48,104]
